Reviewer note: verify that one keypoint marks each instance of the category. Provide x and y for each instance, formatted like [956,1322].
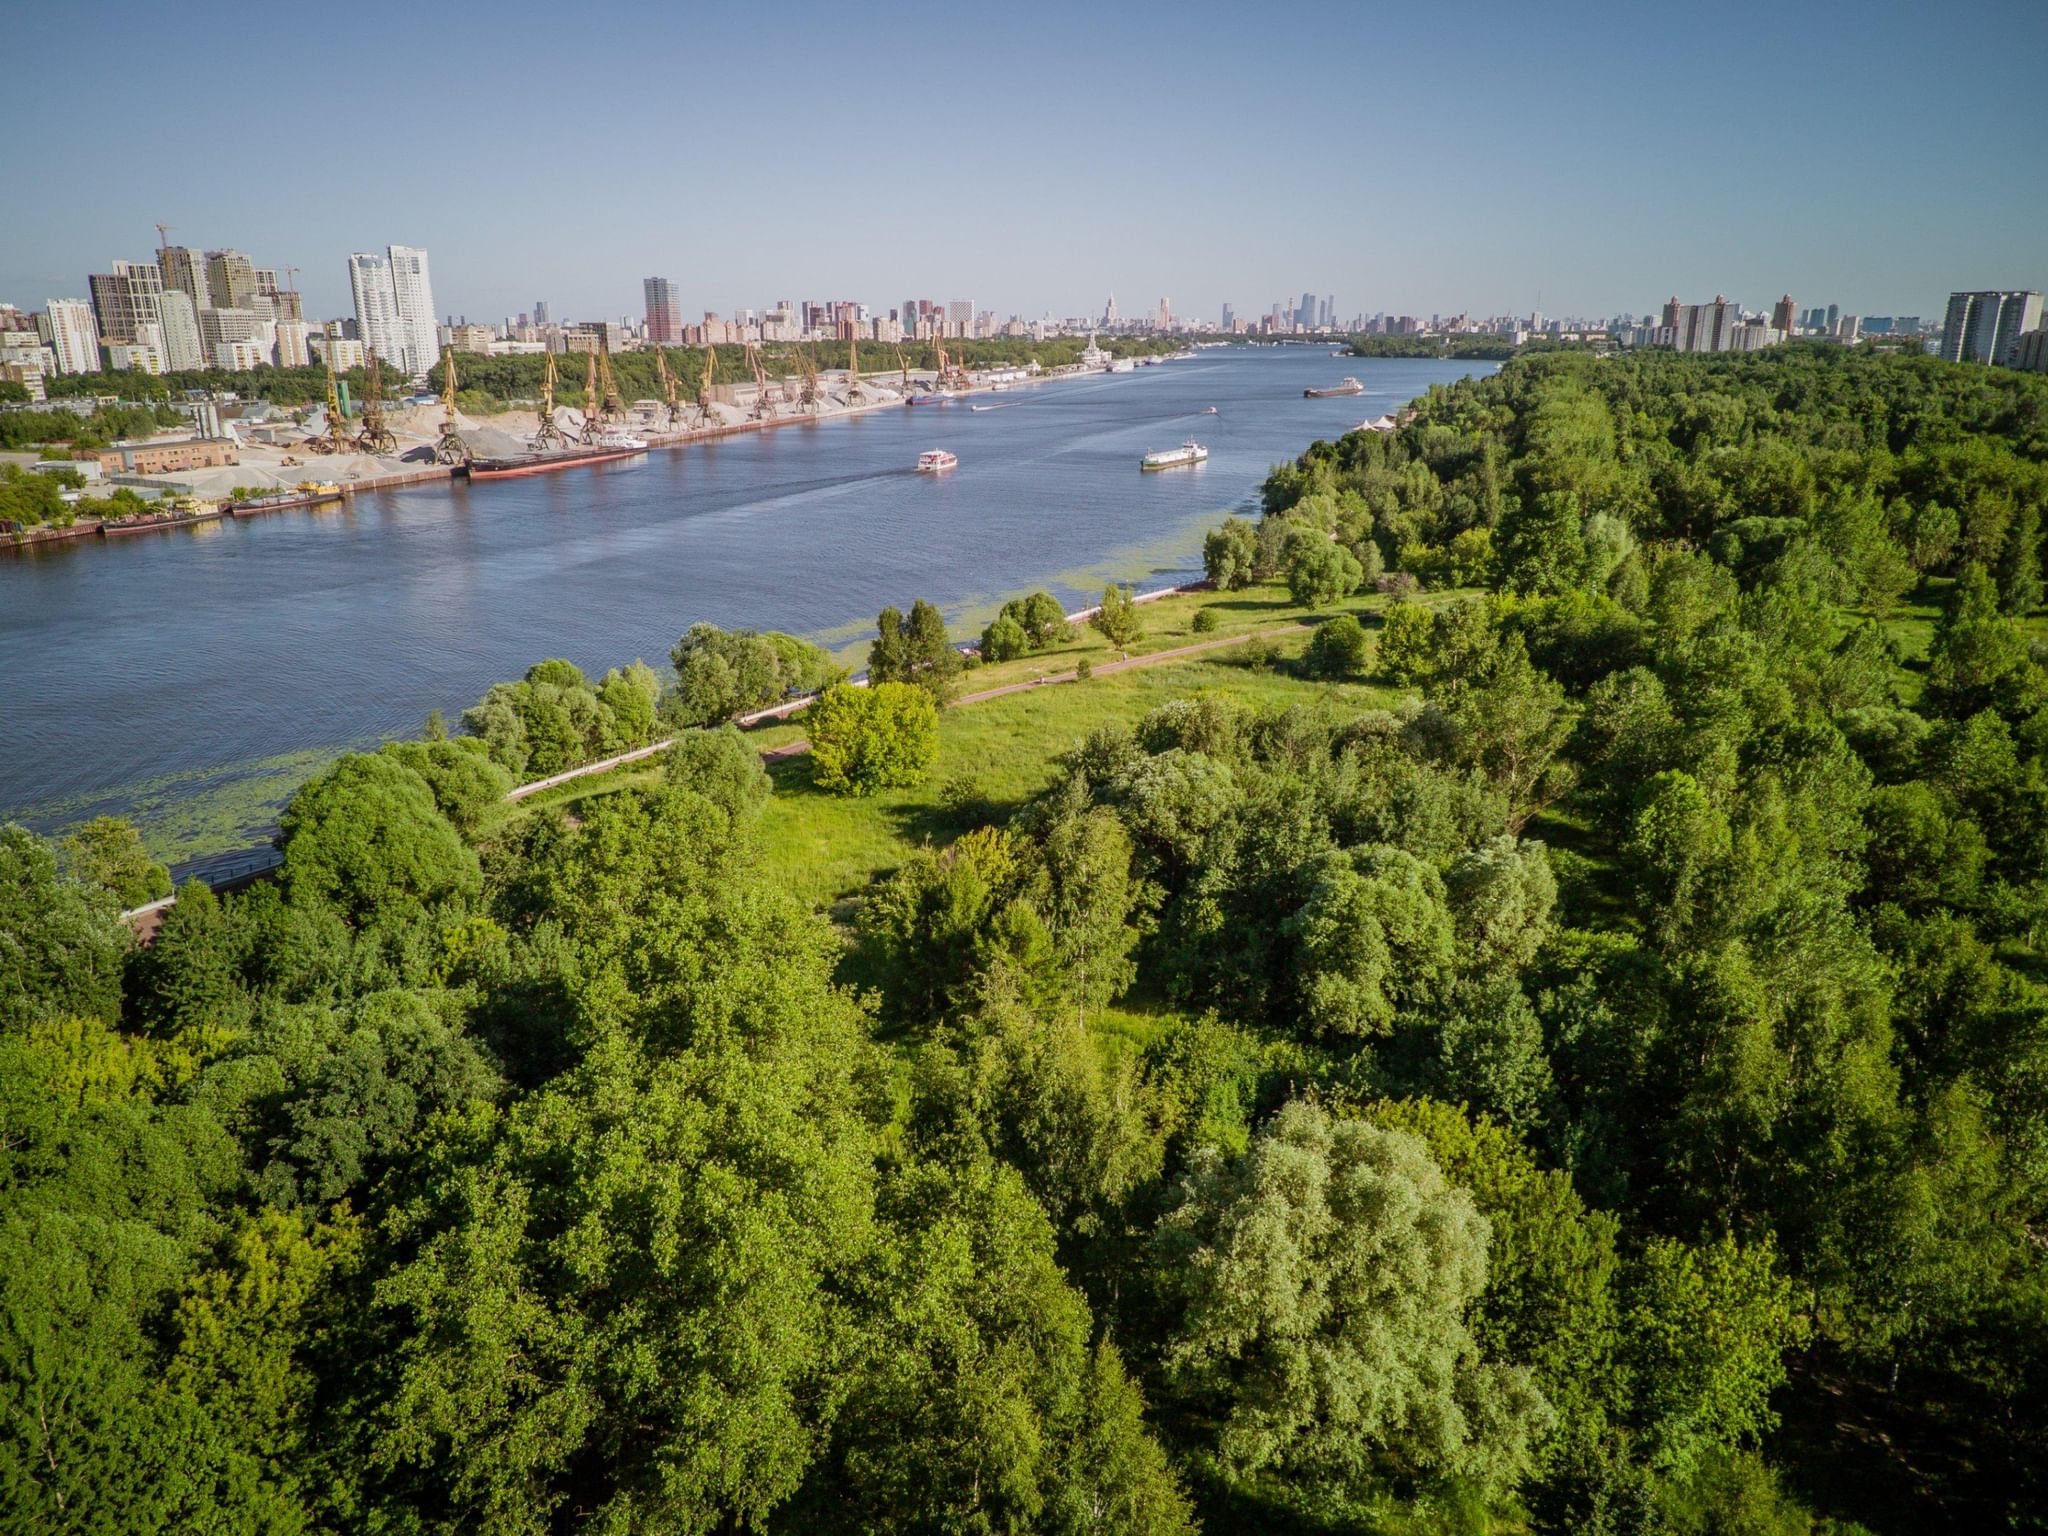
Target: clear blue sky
[1035,156]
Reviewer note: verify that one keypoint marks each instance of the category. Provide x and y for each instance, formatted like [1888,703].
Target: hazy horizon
[1484,159]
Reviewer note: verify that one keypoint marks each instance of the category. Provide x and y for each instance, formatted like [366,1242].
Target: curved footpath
[147,919]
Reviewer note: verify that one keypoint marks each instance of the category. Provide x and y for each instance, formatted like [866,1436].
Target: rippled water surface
[148,674]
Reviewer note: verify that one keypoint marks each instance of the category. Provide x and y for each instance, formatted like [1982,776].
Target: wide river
[190,679]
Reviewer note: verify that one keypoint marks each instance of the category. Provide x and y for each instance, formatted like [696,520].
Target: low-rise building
[167,458]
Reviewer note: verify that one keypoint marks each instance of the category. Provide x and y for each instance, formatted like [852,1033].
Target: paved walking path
[799,748]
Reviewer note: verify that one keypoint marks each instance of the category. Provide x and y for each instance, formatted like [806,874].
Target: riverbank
[272,469]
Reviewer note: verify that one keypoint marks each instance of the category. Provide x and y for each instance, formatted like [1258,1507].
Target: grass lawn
[995,755]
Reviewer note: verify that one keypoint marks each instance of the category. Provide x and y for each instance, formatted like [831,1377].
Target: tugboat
[1189,452]
[934,460]
[1350,386]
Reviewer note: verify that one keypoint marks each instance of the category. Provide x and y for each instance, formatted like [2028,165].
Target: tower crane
[549,433]
[451,449]
[376,436]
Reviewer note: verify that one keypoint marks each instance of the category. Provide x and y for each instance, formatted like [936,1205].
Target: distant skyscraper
[1109,313]
[1229,316]
[664,316]
[1672,309]
[540,311]
[1165,313]
[1305,312]
[377,327]
[959,316]
[1983,327]
[1834,318]
[1781,315]
[414,289]
[74,336]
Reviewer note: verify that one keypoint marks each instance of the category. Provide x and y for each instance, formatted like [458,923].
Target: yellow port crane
[705,383]
[764,402]
[668,387]
[451,449]
[602,406]
[854,393]
[807,374]
[376,436]
[335,439]
[549,434]
[903,364]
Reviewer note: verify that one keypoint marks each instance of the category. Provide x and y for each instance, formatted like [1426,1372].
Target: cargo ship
[1189,452]
[182,515]
[613,445]
[1350,386]
[310,493]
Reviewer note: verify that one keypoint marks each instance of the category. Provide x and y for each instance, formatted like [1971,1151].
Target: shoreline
[27,538]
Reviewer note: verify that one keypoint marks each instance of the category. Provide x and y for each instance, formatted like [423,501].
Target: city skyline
[1112,163]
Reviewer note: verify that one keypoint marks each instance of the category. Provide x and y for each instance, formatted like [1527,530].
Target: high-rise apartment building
[1228,316]
[1707,327]
[291,344]
[959,316]
[2031,351]
[1781,315]
[1672,309]
[420,337]
[377,327]
[221,330]
[185,271]
[231,279]
[664,314]
[74,336]
[183,346]
[127,298]
[1985,327]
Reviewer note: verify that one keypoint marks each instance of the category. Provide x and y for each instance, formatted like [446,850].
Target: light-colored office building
[74,337]
[2031,351]
[1985,326]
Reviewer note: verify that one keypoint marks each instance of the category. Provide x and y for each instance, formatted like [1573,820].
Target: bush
[878,737]
[1340,648]
[1204,621]
[1118,620]
[1004,640]
[1083,670]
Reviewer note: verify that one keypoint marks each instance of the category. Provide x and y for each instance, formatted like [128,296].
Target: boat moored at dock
[613,445]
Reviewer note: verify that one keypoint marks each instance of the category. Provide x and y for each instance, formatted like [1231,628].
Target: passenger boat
[1189,452]
[1208,410]
[933,460]
[1350,386]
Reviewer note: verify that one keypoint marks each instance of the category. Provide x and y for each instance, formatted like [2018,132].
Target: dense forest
[1603,1090]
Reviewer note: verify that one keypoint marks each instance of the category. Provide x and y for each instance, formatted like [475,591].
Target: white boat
[933,460]
[617,439]
[1189,452]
